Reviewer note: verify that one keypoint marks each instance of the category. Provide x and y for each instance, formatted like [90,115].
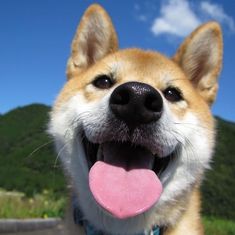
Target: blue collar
[91,230]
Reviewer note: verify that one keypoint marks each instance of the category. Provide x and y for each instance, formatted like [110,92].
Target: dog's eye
[173,94]
[103,82]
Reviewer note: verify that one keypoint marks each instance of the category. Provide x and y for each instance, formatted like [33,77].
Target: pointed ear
[94,39]
[200,57]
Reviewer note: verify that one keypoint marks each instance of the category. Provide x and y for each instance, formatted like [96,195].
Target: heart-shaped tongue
[123,184]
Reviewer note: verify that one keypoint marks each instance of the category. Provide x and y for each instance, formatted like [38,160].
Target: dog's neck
[91,230]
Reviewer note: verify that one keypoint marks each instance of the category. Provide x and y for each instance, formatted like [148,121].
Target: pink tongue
[124,191]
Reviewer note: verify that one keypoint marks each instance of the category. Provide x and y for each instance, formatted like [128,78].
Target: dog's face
[133,128]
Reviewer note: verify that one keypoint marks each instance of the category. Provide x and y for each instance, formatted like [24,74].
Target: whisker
[192,125]
[189,149]
[38,148]
[58,155]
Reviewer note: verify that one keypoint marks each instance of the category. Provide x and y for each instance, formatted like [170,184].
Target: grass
[17,205]
[215,226]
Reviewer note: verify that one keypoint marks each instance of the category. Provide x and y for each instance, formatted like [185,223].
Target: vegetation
[17,205]
[27,165]
[219,184]
[32,182]
[27,158]
[214,226]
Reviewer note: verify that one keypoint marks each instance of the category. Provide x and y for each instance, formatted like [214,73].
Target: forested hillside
[219,185]
[27,158]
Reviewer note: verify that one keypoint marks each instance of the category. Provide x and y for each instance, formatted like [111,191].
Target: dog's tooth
[99,153]
[151,162]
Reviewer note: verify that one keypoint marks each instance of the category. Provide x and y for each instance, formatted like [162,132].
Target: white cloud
[217,12]
[177,18]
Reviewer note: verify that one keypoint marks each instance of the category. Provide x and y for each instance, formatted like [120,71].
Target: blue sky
[35,38]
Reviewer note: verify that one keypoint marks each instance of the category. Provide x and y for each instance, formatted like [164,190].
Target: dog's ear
[200,57]
[95,38]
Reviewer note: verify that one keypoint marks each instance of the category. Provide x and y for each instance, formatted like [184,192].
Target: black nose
[136,103]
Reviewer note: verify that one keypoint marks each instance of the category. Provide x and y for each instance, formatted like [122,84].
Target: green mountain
[27,160]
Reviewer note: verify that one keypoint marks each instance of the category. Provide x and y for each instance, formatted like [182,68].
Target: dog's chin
[126,156]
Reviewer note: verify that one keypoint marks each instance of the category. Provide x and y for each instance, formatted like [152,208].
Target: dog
[134,129]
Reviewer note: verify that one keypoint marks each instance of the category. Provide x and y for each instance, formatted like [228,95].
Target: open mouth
[123,177]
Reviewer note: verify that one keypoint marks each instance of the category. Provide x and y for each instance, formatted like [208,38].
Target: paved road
[39,227]
[32,227]
[59,230]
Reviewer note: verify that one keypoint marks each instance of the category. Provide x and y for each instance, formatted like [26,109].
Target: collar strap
[91,230]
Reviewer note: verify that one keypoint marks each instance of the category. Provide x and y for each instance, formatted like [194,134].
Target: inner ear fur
[200,57]
[95,38]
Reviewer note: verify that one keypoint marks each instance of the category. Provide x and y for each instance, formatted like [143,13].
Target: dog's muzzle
[123,175]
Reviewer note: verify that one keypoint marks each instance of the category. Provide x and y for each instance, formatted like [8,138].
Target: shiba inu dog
[134,130]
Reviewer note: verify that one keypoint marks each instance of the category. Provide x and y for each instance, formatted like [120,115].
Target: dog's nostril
[153,102]
[121,97]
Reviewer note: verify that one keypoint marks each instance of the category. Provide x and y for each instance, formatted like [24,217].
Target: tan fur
[190,221]
[187,70]
[156,68]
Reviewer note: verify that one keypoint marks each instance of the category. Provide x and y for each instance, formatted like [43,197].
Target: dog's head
[133,128]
